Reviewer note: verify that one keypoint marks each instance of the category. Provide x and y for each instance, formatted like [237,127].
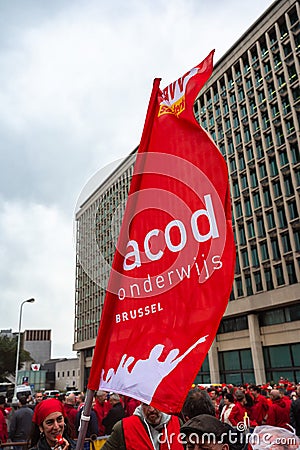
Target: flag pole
[85,418]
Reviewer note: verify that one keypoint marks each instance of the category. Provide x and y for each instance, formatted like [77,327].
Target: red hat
[46,407]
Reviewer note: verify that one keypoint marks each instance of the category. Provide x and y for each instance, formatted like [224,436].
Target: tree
[8,350]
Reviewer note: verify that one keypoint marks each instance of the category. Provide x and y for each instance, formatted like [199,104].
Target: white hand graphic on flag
[146,374]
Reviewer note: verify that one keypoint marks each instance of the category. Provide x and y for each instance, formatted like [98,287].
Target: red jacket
[237,414]
[3,427]
[71,413]
[279,414]
[101,409]
[136,436]
[259,409]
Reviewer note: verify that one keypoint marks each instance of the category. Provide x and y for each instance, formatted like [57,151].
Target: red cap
[46,407]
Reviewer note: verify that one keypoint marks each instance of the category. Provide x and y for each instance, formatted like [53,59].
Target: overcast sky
[75,80]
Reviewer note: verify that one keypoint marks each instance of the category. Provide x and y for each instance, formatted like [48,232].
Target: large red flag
[173,268]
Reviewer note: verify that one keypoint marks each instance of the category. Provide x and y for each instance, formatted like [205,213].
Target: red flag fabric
[174,263]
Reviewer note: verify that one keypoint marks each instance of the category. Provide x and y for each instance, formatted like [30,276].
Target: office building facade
[251,108]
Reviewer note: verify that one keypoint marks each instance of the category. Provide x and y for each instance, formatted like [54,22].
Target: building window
[283,158]
[245,258]
[280,139]
[232,165]
[251,231]
[256,200]
[253,179]
[268,140]
[264,251]
[236,367]
[279,315]
[282,360]
[267,198]
[204,373]
[258,281]
[296,235]
[262,170]
[244,182]
[242,235]
[288,185]
[254,256]
[286,244]
[291,272]
[261,228]
[238,209]
[281,217]
[236,190]
[269,280]
[279,275]
[250,154]
[248,209]
[273,167]
[237,264]
[233,324]
[295,153]
[259,149]
[239,287]
[275,248]
[277,189]
[248,285]
[238,138]
[270,220]
[243,111]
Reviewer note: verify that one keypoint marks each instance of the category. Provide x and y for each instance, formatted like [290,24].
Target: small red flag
[174,264]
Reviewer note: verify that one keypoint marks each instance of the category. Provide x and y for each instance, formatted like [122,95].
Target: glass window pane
[280,356]
[233,378]
[246,359]
[231,360]
[272,317]
[296,354]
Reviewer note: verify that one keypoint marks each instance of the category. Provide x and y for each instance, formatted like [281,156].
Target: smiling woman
[50,427]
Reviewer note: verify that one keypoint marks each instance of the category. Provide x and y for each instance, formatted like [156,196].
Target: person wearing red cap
[50,427]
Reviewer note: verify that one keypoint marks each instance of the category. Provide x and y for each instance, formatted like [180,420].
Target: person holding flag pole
[173,267]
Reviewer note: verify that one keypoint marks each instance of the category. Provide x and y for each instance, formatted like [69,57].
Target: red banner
[173,268]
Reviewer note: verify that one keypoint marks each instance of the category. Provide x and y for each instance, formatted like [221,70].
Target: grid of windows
[97,231]
[264,162]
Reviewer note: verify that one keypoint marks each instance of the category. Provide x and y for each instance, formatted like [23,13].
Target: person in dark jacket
[295,412]
[20,425]
[115,414]
[50,427]
[92,429]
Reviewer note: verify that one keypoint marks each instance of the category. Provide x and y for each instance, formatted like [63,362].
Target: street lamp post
[30,300]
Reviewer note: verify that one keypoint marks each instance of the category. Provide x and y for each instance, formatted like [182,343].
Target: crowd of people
[129,424]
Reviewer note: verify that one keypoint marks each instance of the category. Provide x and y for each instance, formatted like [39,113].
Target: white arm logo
[146,374]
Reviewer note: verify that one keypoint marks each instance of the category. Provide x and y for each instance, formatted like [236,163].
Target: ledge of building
[266,300]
